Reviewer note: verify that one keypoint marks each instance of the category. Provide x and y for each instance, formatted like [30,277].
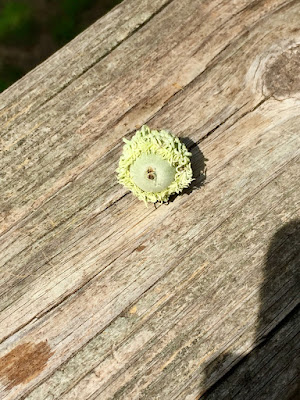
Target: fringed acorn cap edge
[169,147]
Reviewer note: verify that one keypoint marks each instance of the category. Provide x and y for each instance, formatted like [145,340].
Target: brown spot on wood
[133,310]
[177,86]
[24,363]
[282,78]
[140,248]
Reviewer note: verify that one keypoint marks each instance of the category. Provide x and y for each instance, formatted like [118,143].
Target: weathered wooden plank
[268,372]
[183,327]
[112,299]
[76,58]
[83,121]
[79,198]
[98,293]
[25,131]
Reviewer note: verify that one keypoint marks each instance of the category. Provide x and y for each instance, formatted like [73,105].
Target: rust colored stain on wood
[24,363]
[140,248]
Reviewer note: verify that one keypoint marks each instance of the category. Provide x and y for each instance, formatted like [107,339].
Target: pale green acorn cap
[152,173]
[154,165]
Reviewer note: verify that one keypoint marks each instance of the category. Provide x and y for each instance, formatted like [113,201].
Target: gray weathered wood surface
[101,297]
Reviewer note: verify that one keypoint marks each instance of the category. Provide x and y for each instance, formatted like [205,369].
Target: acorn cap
[154,165]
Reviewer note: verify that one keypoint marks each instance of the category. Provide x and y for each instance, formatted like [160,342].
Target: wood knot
[282,77]
[24,363]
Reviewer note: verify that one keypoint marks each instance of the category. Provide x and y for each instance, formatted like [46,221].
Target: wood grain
[121,301]
[274,361]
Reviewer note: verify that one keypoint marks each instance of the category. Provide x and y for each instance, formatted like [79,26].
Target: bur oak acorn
[154,164]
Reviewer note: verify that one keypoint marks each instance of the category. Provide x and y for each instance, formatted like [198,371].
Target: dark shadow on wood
[198,162]
[271,370]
